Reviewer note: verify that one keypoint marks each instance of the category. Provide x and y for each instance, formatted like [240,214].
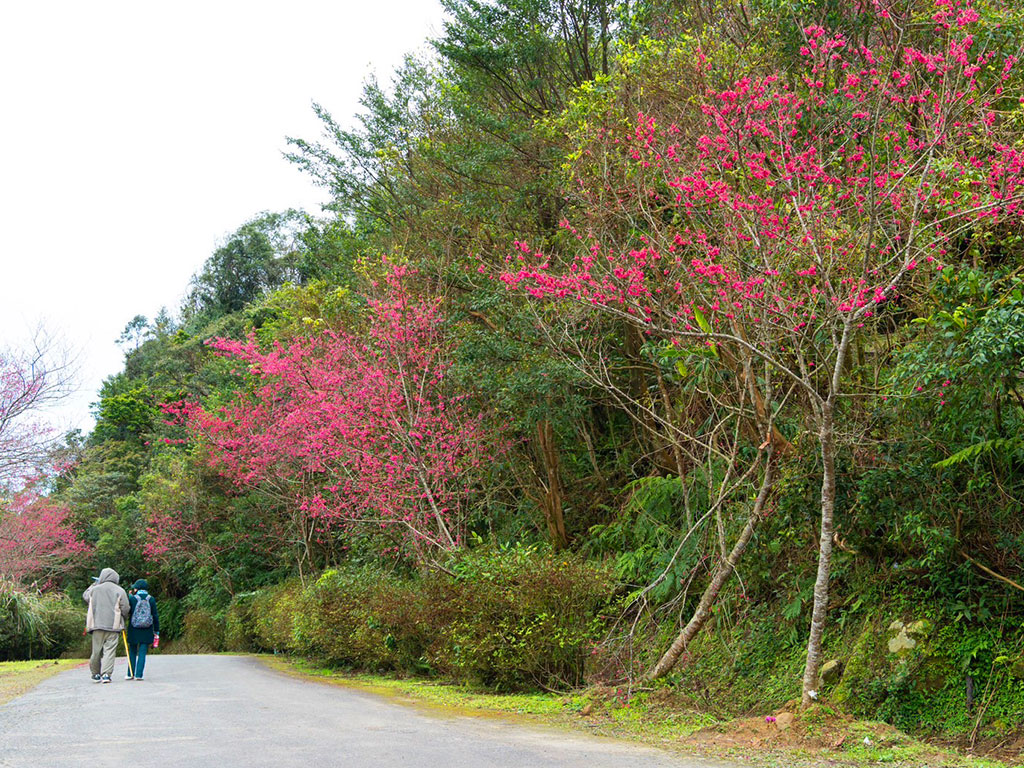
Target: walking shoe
[95,678]
[139,679]
[128,676]
[105,679]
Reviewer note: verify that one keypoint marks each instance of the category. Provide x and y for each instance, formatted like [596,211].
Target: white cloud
[134,136]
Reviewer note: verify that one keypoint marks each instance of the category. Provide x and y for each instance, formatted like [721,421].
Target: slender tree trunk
[304,553]
[826,439]
[552,501]
[740,364]
[714,587]
[677,452]
[604,38]
[438,517]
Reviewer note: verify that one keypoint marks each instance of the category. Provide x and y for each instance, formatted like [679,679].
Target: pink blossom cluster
[803,205]
[354,428]
[37,538]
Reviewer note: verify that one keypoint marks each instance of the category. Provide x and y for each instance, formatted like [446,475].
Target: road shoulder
[20,677]
[650,719]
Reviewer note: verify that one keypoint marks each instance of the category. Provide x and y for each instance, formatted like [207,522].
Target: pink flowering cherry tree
[787,213]
[347,428]
[38,542]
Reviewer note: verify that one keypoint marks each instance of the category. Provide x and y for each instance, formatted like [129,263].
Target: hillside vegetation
[643,345]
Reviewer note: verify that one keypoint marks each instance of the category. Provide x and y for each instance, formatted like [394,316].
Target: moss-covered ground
[662,718]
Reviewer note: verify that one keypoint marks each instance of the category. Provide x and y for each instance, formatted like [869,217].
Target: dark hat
[141,584]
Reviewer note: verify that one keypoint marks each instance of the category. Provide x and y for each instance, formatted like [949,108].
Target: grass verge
[814,739]
[18,677]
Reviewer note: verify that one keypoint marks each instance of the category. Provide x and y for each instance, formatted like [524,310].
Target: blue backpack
[142,616]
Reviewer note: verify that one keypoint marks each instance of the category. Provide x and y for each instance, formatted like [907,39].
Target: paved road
[232,712]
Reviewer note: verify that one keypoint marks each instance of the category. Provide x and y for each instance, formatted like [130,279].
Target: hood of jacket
[108,574]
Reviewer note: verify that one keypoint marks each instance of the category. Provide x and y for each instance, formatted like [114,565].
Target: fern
[1006,447]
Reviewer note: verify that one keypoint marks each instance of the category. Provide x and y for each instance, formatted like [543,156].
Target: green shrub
[239,631]
[401,612]
[65,623]
[273,617]
[34,625]
[172,617]
[365,619]
[513,619]
[204,632]
[333,621]
[516,618]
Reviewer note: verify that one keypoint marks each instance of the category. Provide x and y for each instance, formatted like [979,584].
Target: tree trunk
[826,439]
[552,501]
[739,364]
[714,587]
[677,452]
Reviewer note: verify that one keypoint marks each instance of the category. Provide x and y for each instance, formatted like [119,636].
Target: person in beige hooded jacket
[108,608]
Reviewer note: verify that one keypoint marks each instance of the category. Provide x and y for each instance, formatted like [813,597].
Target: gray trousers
[104,647]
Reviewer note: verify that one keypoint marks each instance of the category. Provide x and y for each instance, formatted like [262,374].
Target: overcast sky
[135,136]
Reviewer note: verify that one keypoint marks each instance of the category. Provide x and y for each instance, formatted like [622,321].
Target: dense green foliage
[510,619]
[36,626]
[513,124]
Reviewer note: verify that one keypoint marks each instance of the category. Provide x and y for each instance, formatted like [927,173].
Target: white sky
[134,137]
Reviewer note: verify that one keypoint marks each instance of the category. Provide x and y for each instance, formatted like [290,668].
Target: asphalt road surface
[232,712]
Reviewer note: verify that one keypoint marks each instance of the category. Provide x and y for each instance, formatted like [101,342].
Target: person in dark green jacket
[143,628]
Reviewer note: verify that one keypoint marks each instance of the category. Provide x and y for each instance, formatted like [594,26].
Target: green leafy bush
[204,632]
[364,619]
[273,617]
[65,623]
[239,631]
[642,540]
[172,617]
[514,618]
[34,625]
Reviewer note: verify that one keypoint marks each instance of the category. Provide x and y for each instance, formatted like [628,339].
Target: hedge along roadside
[510,619]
